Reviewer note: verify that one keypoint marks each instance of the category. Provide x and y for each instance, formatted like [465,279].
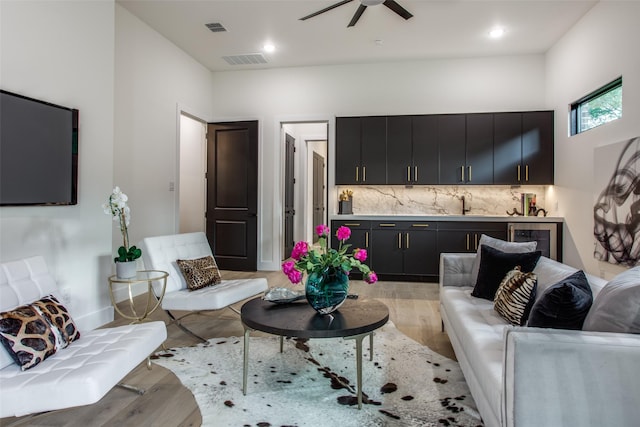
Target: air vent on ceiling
[216,27]
[245,59]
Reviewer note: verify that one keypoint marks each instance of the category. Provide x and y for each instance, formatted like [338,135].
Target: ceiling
[439,29]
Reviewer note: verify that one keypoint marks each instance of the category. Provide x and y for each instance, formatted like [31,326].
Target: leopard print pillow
[515,296]
[200,272]
[27,335]
[59,317]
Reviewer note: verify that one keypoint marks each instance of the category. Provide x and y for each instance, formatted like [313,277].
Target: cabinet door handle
[352,224]
[518,173]
[364,174]
[469,173]
[415,173]
[357,170]
[467,241]
[526,173]
[407,240]
[408,173]
[387,224]
[462,173]
[366,239]
[399,240]
[475,241]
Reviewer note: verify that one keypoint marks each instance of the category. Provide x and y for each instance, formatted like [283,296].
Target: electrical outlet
[65,294]
[172,186]
[556,206]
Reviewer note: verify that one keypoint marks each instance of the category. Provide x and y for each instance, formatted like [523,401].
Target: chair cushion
[59,317]
[563,305]
[214,297]
[617,306]
[494,265]
[200,272]
[515,296]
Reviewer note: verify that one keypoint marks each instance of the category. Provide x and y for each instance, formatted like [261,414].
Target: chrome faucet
[464,211]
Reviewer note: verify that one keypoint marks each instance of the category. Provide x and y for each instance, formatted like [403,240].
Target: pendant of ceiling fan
[391,4]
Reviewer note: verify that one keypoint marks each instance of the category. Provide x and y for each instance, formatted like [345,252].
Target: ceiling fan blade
[393,5]
[357,15]
[326,9]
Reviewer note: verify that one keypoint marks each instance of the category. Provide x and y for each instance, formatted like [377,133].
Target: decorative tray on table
[283,295]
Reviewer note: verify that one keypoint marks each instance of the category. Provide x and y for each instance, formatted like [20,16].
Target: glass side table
[153,300]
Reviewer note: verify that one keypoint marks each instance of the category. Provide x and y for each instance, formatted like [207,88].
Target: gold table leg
[245,366]
[359,339]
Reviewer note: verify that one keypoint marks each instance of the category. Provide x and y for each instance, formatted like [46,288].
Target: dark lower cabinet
[465,236]
[410,250]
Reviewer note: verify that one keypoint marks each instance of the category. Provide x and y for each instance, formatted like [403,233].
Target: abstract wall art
[616,213]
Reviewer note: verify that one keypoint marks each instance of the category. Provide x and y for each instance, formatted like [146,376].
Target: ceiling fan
[391,4]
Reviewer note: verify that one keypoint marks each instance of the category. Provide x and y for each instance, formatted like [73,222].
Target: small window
[597,108]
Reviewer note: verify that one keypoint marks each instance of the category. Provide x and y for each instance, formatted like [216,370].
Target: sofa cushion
[504,246]
[563,305]
[494,265]
[200,272]
[617,306]
[515,296]
[28,336]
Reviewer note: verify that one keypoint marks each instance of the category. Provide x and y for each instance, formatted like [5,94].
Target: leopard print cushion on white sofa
[59,317]
[200,272]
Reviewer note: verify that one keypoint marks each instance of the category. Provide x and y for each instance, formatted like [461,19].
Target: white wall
[155,80]
[600,47]
[321,93]
[62,52]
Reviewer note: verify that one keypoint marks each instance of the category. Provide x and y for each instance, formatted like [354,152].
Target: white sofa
[525,376]
[79,374]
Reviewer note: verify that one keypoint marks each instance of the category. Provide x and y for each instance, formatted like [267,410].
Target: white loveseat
[525,376]
[79,374]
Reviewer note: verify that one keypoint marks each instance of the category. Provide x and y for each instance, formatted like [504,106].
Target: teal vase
[326,290]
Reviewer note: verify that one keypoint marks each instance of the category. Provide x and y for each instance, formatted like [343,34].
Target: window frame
[574,107]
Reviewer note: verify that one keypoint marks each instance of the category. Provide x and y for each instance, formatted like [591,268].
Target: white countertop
[478,218]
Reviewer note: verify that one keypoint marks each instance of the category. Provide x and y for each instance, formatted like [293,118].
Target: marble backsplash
[439,200]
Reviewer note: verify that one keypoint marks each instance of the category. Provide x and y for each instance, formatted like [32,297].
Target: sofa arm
[455,269]
[570,378]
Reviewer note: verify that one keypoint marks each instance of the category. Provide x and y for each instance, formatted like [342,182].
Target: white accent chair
[161,253]
[79,374]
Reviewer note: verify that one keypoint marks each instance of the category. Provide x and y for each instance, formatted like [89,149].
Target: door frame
[279,136]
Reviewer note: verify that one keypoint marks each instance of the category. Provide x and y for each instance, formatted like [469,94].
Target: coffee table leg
[359,339]
[245,366]
[370,346]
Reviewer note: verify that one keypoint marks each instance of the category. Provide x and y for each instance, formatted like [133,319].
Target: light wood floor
[413,308]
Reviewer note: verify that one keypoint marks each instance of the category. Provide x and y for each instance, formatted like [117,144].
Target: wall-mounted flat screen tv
[38,152]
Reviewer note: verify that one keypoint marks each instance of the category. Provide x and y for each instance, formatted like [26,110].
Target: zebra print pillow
[515,296]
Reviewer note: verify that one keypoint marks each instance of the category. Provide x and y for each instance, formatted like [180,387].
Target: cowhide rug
[312,383]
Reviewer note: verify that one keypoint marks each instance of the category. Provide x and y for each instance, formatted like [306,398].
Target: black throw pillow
[495,264]
[564,305]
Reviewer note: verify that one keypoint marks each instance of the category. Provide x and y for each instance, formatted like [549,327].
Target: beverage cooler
[545,233]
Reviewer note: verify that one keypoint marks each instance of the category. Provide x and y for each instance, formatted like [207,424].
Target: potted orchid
[121,213]
[327,268]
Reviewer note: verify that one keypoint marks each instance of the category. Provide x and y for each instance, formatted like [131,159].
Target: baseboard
[95,319]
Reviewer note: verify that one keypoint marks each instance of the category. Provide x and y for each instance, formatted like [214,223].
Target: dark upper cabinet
[451,146]
[537,147]
[361,150]
[412,150]
[479,149]
[523,148]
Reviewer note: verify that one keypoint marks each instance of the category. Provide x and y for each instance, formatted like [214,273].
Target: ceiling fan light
[371,2]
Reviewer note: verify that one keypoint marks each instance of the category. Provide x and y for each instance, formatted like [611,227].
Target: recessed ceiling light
[268,47]
[497,32]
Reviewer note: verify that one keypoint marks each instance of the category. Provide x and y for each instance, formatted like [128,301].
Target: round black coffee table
[355,319]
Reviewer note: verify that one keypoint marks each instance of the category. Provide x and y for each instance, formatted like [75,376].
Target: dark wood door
[373,150]
[386,250]
[507,148]
[347,150]
[318,193]
[479,149]
[425,149]
[399,157]
[451,145]
[232,194]
[289,191]
[537,147]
